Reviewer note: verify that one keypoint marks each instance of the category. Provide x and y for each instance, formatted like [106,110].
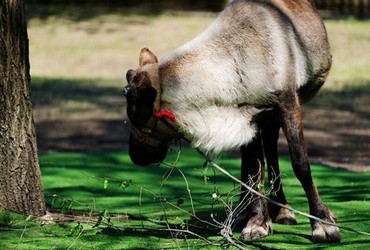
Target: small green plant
[5,218]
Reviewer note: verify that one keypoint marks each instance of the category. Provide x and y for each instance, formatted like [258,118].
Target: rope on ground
[222,170]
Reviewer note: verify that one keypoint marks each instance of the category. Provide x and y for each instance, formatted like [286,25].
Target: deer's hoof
[285,217]
[324,233]
[255,230]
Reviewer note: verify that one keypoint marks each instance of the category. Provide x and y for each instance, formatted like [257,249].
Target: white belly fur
[215,129]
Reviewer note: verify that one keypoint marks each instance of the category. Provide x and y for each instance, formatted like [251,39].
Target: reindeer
[234,86]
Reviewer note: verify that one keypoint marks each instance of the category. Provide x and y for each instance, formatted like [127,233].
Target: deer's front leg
[258,222]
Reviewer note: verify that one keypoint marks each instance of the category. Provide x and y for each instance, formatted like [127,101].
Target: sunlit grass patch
[107,43]
[350,43]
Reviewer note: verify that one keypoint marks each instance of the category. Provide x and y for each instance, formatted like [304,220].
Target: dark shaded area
[80,128]
[337,126]
[82,135]
[343,8]
[80,13]
[213,5]
[42,8]
[53,91]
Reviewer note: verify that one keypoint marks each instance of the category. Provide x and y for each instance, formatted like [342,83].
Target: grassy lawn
[142,203]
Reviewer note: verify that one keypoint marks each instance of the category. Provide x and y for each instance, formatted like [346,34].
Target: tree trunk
[20,178]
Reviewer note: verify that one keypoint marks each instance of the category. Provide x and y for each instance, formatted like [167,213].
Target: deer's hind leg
[291,121]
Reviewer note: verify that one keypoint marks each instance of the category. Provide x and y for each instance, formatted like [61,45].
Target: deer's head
[150,135]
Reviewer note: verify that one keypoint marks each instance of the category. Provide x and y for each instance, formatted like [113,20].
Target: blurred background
[81,50]
[334,8]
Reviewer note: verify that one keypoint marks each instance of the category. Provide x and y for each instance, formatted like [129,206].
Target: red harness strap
[165,114]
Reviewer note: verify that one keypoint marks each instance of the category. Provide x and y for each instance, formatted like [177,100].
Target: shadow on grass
[81,177]
[79,114]
[48,92]
[353,98]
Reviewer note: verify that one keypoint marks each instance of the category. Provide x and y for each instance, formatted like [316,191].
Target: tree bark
[20,178]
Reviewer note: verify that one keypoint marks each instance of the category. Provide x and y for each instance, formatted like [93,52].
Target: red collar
[165,114]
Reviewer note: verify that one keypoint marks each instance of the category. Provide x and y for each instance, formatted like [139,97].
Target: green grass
[96,181]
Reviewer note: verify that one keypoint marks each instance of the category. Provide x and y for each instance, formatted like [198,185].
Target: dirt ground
[337,129]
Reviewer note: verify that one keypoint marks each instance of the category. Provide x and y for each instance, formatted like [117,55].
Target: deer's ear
[147,57]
